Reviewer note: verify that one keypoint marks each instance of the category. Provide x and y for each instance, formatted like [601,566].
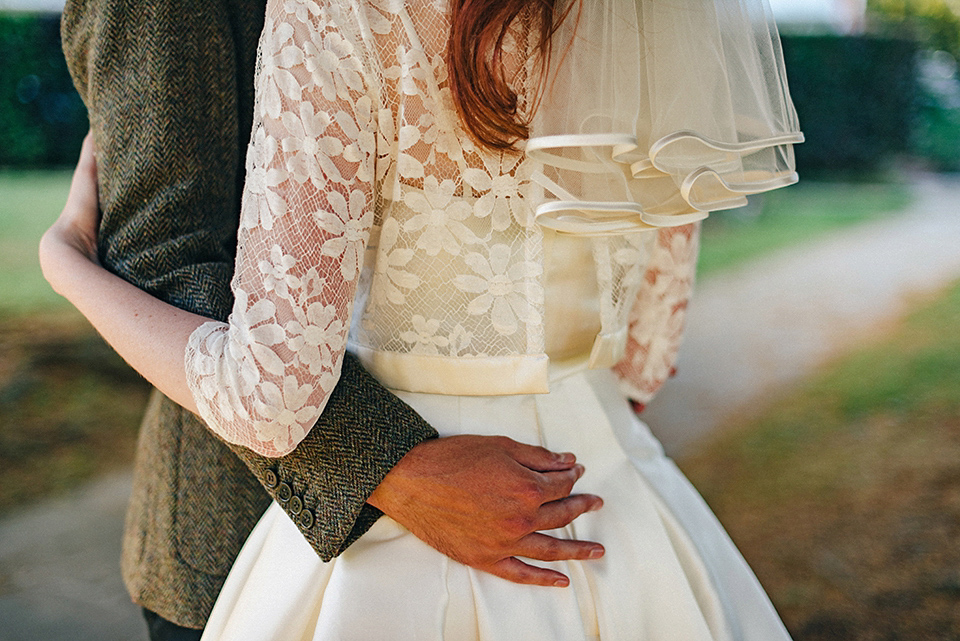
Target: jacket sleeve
[169,90]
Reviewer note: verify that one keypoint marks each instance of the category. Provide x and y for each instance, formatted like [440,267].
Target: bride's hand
[80,219]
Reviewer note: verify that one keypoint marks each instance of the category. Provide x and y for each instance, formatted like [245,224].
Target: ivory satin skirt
[670,571]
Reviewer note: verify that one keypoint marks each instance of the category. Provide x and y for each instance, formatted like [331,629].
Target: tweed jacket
[169,89]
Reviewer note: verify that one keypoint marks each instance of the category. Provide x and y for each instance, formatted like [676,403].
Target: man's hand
[483,500]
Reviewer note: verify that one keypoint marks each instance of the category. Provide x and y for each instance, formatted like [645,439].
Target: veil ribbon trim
[658,113]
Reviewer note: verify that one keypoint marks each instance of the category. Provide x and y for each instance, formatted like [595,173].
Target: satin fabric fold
[670,571]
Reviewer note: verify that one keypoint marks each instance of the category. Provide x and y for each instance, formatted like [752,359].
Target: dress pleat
[670,572]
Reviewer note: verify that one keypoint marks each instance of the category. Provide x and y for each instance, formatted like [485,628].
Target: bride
[490,202]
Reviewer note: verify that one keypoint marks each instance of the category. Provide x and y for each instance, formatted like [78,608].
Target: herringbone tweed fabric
[169,88]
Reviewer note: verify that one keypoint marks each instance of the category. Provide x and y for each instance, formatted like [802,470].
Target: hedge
[855,97]
[42,119]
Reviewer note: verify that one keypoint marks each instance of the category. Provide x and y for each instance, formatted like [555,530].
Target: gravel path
[60,572]
[750,332]
[754,330]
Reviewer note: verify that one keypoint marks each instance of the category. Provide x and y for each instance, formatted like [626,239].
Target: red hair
[482,92]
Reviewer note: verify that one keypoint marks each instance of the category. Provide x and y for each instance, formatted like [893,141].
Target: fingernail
[579,469]
[596,506]
[596,553]
[561,583]
[566,457]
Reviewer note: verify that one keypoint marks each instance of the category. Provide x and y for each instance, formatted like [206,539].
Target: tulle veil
[657,112]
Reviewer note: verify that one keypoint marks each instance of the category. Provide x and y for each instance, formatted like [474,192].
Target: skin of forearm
[147,333]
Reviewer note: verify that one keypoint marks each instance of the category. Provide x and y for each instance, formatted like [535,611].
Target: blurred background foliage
[43,118]
[934,25]
[855,96]
[865,100]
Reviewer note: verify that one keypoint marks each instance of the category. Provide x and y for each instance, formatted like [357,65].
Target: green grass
[913,377]
[790,216]
[29,203]
[69,406]
[845,494]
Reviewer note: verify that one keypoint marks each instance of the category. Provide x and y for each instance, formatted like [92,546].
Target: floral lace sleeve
[262,379]
[657,317]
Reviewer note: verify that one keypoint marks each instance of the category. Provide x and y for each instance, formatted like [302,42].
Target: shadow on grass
[69,406]
[844,495]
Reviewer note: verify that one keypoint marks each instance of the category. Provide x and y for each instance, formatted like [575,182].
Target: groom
[169,89]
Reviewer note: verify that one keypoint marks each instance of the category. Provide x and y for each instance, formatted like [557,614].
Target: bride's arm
[262,379]
[658,314]
[150,335]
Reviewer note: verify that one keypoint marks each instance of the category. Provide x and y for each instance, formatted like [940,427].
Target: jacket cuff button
[296,506]
[284,492]
[270,479]
[306,519]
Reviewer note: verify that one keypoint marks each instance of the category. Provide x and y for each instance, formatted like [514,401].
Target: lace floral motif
[362,186]
[263,379]
[657,316]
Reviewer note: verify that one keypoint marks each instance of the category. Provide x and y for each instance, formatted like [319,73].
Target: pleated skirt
[670,572]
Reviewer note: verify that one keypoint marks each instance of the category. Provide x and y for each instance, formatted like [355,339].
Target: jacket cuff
[324,484]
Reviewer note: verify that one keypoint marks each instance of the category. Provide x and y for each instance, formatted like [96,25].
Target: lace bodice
[370,218]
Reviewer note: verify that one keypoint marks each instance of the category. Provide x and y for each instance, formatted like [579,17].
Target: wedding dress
[521,294]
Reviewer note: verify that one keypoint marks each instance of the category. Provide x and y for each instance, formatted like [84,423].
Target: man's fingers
[558,485]
[83,187]
[543,547]
[557,514]
[483,499]
[539,458]
[517,571]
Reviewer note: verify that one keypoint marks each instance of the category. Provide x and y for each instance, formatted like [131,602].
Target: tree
[934,24]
